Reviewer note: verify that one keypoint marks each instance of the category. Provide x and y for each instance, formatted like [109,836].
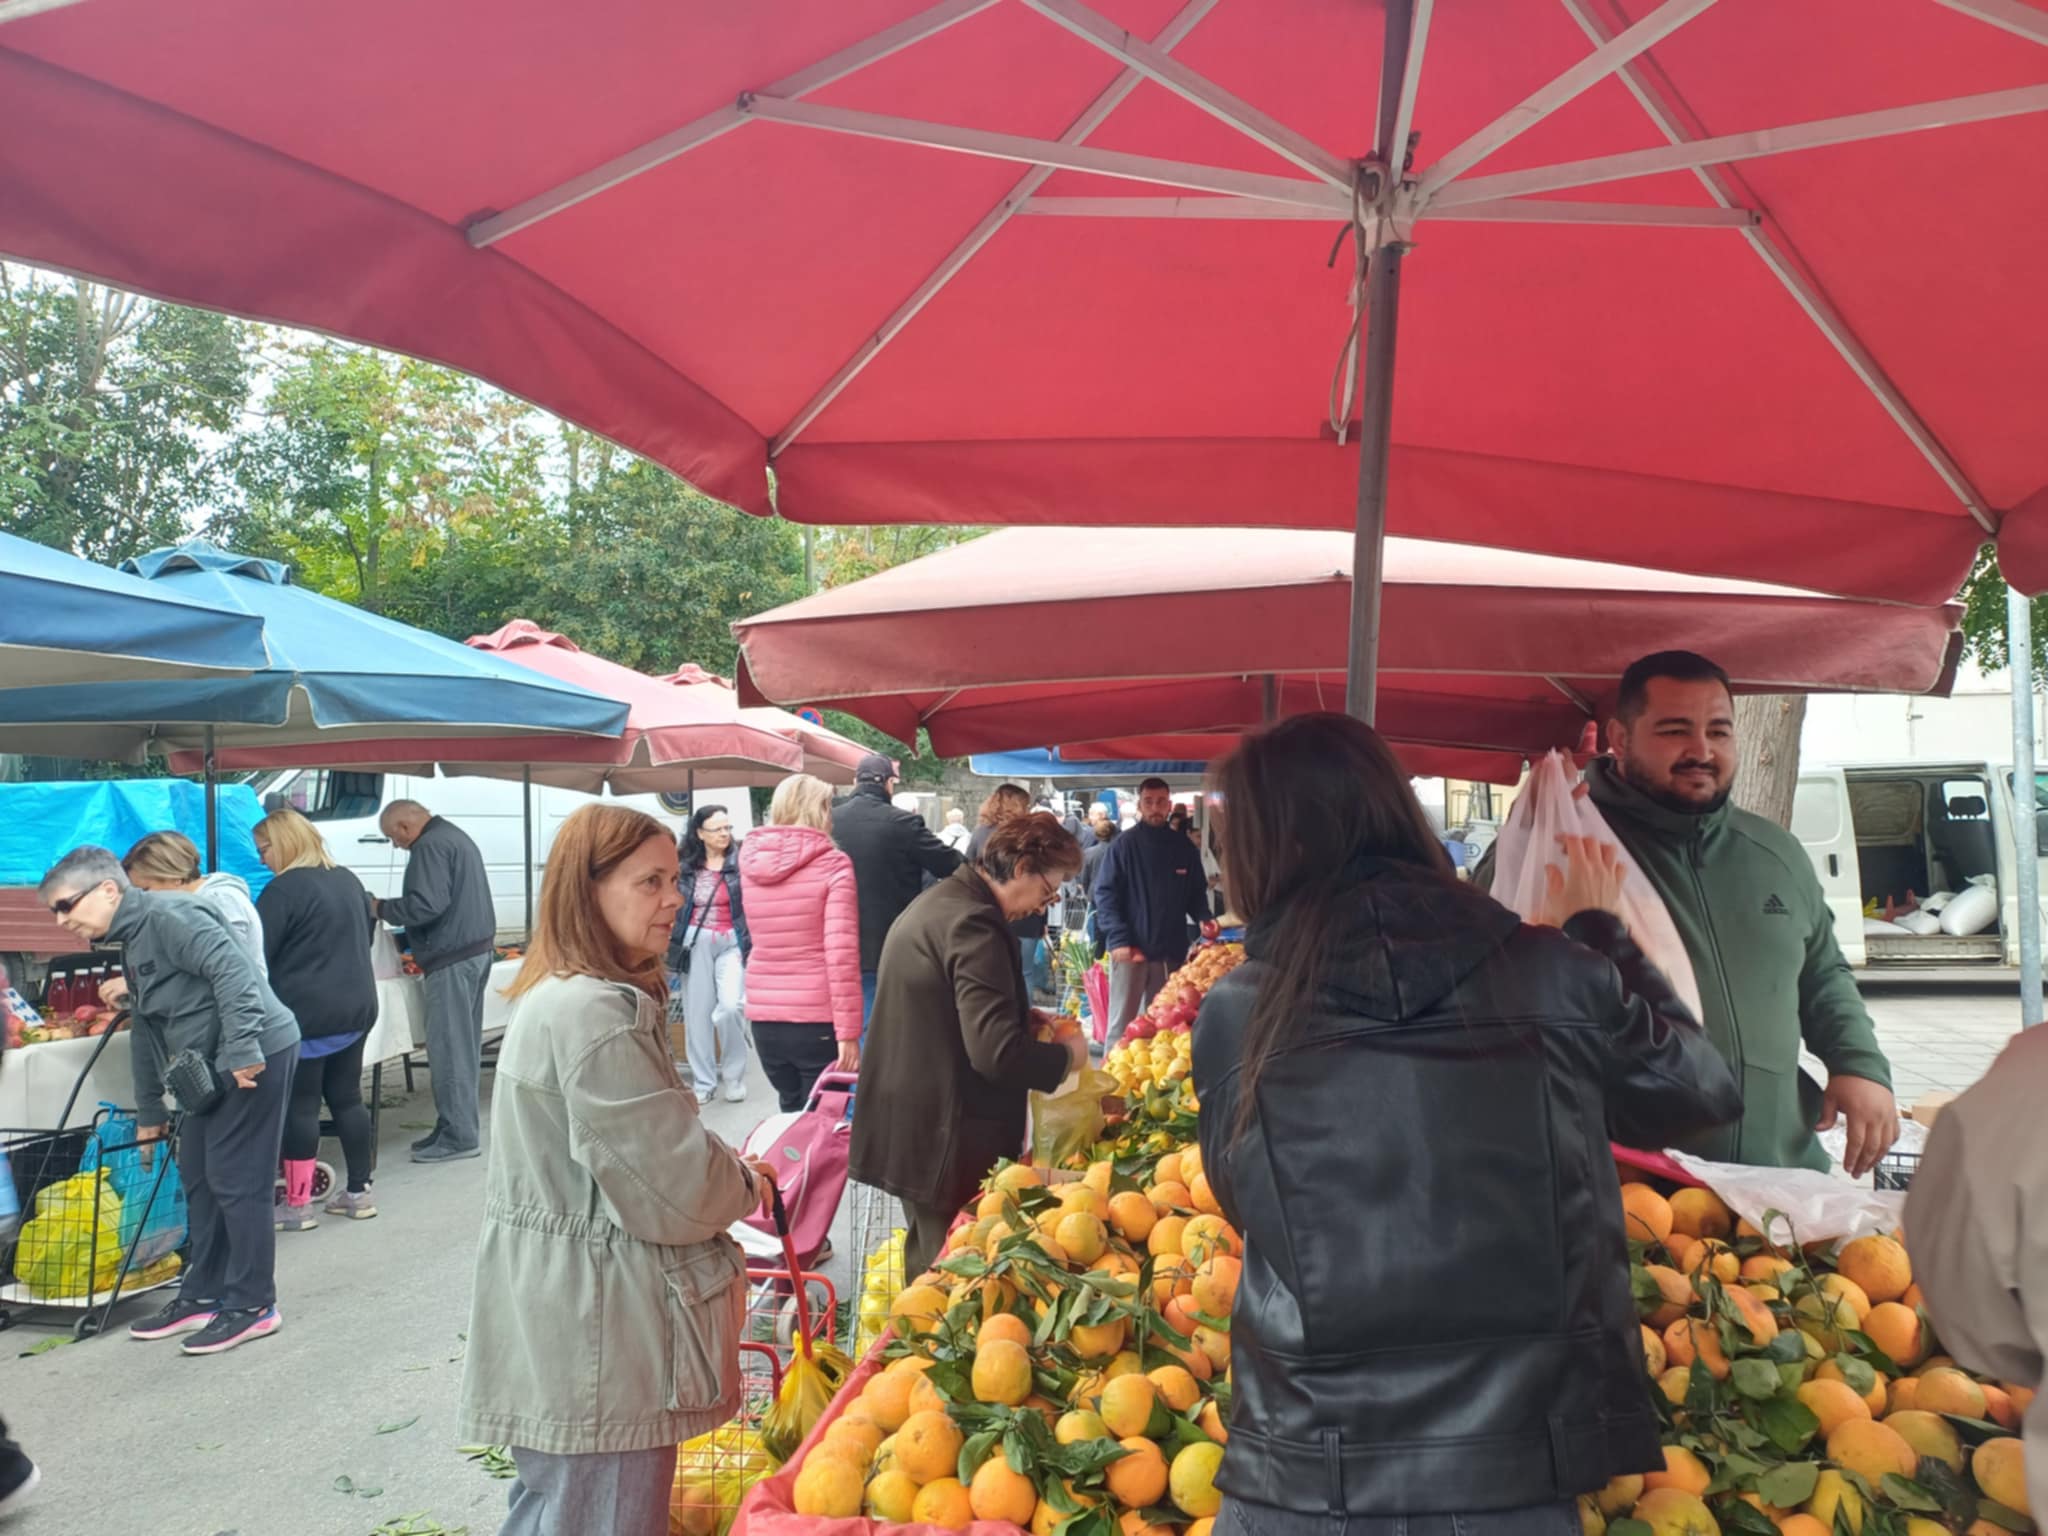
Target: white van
[1878,831]
[346,804]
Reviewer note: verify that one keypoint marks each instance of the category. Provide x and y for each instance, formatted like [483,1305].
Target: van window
[1817,811]
[330,794]
[1963,800]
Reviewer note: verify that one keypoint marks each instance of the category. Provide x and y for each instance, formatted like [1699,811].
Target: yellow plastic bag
[1064,1123]
[74,1198]
[713,1473]
[57,1256]
[814,1375]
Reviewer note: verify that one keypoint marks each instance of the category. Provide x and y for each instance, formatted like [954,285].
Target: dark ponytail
[1297,804]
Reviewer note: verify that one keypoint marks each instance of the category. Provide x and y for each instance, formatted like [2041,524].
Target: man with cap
[892,852]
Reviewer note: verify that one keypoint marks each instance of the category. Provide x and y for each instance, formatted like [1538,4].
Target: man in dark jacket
[446,911]
[1147,887]
[892,852]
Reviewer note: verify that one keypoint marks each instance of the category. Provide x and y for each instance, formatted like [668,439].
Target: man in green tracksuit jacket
[1747,904]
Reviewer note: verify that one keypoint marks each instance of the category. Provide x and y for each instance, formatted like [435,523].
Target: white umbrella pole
[2019,643]
[1269,699]
[1380,302]
[526,822]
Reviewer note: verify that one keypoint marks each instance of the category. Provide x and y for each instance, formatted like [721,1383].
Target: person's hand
[849,1055]
[1127,954]
[1587,749]
[764,1177]
[151,1132]
[245,1077]
[1210,929]
[1589,882]
[114,991]
[1873,1116]
[1077,1052]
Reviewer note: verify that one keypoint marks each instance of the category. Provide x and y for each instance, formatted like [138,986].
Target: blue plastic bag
[153,1215]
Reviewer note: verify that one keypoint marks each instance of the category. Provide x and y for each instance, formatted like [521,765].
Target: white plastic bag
[1973,911]
[1819,1206]
[1547,810]
[384,961]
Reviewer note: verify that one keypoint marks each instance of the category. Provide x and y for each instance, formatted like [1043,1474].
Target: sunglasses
[63,908]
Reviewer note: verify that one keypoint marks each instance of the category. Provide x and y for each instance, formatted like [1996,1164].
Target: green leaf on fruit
[1907,1494]
[1789,1423]
[1757,1379]
[1789,1484]
[2005,1519]
[1788,1348]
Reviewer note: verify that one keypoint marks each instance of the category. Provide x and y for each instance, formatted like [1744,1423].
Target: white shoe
[737,1094]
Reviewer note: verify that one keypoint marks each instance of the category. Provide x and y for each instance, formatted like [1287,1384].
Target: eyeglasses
[64,908]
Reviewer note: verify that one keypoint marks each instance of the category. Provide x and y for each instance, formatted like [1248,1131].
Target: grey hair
[81,869]
[401,808]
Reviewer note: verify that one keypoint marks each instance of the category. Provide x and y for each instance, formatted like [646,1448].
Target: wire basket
[878,1230]
[1895,1170]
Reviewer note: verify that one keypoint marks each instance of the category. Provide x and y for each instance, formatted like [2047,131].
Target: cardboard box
[1929,1105]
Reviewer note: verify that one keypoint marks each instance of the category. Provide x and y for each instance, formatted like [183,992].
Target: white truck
[1877,831]
[345,804]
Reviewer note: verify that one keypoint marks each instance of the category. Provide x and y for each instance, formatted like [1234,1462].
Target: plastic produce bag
[153,1215]
[385,963]
[713,1473]
[1818,1206]
[1065,1122]
[1527,846]
[72,1246]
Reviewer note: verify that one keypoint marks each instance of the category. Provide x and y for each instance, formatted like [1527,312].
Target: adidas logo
[1776,908]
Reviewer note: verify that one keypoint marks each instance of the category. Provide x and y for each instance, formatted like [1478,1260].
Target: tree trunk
[1767,753]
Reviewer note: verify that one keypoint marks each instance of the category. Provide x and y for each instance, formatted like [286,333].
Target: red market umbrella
[827,754]
[1421,762]
[1747,288]
[670,735]
[1081,635]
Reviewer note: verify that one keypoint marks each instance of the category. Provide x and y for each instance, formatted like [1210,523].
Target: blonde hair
[802,800]
[295,840]
[569,933]
[167,858]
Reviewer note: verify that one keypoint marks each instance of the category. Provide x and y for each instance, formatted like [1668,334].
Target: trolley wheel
[87,1326]
[6,1321]
[323,1181]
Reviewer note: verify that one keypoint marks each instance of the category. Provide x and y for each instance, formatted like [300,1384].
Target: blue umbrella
[1046,763]
[64,620]
[337,673]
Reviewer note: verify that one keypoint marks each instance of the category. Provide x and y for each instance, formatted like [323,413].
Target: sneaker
[181,1316]
[235,1326]
[357,1206]
[296,1218]
[736,1094]
[18,1479]
[427,1140]
[442,1152]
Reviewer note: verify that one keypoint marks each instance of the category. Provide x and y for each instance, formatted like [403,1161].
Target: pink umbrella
[671,736]
[827,754]
[1043,261]
[1031,636]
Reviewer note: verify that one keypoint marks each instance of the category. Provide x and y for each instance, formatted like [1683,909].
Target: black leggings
[339,1080]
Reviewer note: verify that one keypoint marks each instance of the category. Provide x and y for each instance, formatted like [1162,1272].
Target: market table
[38,1078]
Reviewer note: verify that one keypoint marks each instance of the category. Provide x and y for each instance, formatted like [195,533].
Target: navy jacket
[1148,886]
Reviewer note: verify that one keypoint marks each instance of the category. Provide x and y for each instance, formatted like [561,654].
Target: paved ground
[137,1440]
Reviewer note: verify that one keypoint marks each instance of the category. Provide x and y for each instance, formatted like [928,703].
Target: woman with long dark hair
[1407,1095]
[708,954]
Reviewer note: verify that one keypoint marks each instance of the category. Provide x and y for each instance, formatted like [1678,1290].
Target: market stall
[1066,1366]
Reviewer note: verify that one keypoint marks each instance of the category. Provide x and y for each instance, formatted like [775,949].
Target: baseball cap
[874,769]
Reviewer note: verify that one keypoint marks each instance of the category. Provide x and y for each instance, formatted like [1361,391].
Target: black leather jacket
[1434,1314]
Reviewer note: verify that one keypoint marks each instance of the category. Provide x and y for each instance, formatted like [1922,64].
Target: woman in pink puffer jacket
[803,977]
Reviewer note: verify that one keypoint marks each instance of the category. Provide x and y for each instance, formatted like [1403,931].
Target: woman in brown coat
[950,1056]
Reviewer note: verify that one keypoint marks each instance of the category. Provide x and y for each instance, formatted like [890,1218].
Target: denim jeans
[1238,1518]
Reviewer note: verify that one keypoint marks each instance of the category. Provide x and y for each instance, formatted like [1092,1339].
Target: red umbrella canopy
[1747,288]
[827,754]
[1029,636]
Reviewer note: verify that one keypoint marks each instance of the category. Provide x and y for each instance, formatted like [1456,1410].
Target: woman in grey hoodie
[169,861]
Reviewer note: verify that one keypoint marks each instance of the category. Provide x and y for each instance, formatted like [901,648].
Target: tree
[1767,728]
[112,412]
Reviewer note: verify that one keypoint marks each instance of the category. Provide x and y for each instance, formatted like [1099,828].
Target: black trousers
[924,1235]
[793,1055]
[339,1080]
[228,1160]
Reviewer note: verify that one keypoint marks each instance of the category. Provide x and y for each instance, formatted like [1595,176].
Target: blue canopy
[336,673]
[40,823]
[64,620]
[1046,763]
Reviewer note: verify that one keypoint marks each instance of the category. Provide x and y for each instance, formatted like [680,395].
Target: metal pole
[212,808]
[1269,698]
[690,794]
[810,560]
[2019,642]
[1380,303]
[526,822]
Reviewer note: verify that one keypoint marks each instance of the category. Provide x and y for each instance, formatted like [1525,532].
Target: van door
[344,805]
[2008,852]
[1821,822]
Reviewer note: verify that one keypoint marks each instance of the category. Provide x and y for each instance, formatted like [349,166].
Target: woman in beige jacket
[606,1319]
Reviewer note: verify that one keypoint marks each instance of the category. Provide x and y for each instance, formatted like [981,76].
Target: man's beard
[1651,790]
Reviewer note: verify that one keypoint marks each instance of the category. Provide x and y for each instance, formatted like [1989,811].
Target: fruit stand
[1065,1367]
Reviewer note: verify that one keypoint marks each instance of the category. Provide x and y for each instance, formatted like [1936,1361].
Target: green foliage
[1983,600]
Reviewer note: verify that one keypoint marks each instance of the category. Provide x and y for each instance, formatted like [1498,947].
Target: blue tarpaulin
[40,823]
[1046,763]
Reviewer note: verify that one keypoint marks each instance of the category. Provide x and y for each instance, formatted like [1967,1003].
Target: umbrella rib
[1396,148]
[714,124]
[1154,64]
[2014,16]
[1691,154]
[1015,201]
[15,10]
[1516,210]
[1660,103]
[1608,57]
